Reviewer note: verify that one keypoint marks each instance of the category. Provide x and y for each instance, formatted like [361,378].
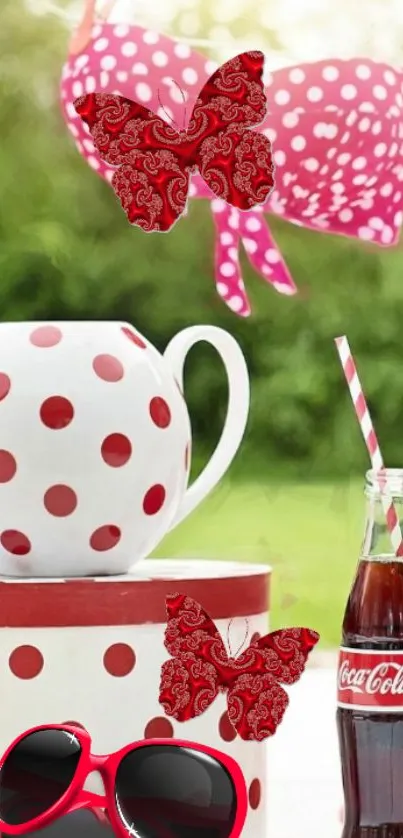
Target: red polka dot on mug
[154,499]
[5,385]
[45,336]
[8,466]
[160,412]
[116,450]
[136,339]
[108,368]
[105,538]
[60,500]
[56,412]
[15,542]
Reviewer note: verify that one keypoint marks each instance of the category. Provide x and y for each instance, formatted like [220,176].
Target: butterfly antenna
[228,637]
[184,102]
[170,118]
[245,638]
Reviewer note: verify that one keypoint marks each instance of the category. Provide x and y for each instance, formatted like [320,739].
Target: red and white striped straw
[370,439]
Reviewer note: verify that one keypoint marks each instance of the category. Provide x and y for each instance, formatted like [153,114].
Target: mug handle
[237,410]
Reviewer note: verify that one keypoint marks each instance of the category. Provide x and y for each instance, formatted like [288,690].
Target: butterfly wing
[256,706]
[190,680]
[152,181]
[257,701]
[286,652]
[235,163]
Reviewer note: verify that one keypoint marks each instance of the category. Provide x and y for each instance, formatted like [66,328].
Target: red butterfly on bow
[201,668]
[156,161]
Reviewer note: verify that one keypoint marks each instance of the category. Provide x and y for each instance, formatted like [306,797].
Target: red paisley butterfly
[156,161]
[200,669]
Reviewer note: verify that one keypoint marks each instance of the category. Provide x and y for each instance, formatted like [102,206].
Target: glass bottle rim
[389,480]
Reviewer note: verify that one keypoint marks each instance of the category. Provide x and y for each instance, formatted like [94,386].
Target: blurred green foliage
[67,252]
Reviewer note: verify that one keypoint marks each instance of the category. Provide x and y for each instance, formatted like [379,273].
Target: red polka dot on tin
[158,728]
[119,660]
[108,368]
[226,729]
[72,723]
[26,662]
[45,336]
[255,793]
[5,385]
[8,466]
[160,412]
[60,500]
[15,542]
[105,538]
[116,450]
[154,499]
[133,337]
[56,412]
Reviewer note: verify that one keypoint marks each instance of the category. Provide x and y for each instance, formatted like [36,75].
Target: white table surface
[304,784]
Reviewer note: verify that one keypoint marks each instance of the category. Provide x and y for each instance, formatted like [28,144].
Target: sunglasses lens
[168,788]
[36,774]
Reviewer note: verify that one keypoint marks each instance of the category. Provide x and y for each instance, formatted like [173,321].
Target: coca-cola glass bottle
[370,678]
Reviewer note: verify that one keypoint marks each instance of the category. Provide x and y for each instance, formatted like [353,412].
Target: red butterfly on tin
[200,669]
[156,161]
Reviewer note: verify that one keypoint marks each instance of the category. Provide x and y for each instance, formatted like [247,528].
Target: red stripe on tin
[86,602]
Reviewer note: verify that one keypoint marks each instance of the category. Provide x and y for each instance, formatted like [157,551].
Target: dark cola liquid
[371,744]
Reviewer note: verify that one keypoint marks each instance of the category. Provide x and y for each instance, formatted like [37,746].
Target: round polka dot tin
[91,650]
[96,443]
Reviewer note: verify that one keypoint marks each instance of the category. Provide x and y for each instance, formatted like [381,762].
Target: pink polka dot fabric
[336,128]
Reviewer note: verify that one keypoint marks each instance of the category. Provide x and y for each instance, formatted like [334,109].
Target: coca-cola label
[370,680]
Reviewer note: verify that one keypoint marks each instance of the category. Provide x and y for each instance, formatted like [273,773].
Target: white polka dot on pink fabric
[253,224]
[182,51]
[363,72]
[90,84]
[282,97]
[121,31]
[279,157]
[330,73]
[380,92]
[314,94]
[77,89]
[143,92]
[190,75]
[140,69]
[296,75]
[150,37]
[290,120]
[227,269]
[298,143]
[108,62]
[159,58]
[128,49]
[101,44]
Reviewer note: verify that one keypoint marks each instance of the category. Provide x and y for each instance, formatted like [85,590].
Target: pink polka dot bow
[336,128]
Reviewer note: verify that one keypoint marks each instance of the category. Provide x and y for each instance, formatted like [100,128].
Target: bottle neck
[376,543]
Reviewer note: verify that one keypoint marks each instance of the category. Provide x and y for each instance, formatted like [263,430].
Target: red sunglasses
[157,788]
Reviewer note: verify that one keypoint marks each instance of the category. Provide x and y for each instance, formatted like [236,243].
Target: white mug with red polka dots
[95,444]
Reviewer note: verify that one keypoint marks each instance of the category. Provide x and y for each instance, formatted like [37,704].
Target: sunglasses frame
[76,797]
